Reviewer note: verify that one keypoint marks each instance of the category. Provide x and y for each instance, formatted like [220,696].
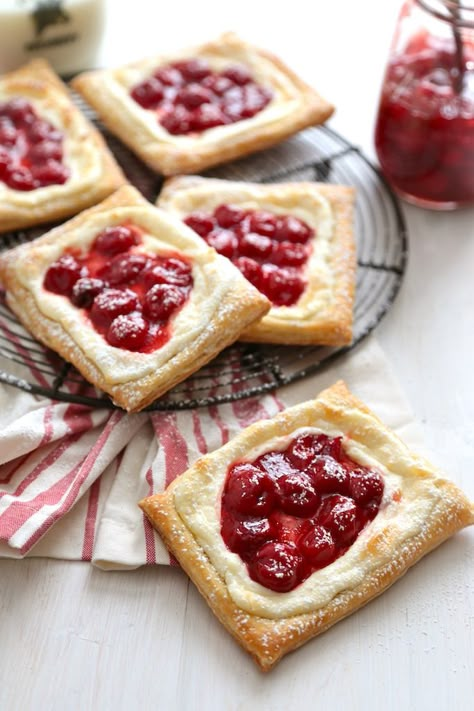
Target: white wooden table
[73,637]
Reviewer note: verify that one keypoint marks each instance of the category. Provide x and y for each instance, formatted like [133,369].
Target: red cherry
[223,241]
[289,527]
[332,446]
[111,303]
[291,229]
[277,566]
[128,331]
[176,120]
[304,448]
[41,130]
[249,490]
[51,172]
[217,84]
[169,76]
[255,98]
[366,485]
[19,178]
[242,228]
[245,536]
[85,290]
[233,108]
[256,246]
[207,116]
[4,162]
[228,215]
[114,240]
[45,150]
[342,517]
[148,93]
[63,274]
[124,268]
[200,222]
[20,111]
[168,270]
[297,495]
[193,95]
[162,300]
[288,254]
[329,476]
[276,464]
[263,222]
[282,286]
[238,74]
[8,133]
[251,270]
[316,544]
[193,70]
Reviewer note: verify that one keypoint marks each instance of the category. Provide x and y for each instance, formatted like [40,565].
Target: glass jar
[424,134]
[65,32]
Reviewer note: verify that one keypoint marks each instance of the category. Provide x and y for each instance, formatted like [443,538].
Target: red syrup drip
[425,129]
[31,149]
[270,250]
[189,97]
[128,296]
[292,512]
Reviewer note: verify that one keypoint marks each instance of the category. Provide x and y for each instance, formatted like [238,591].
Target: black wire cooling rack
[243,370]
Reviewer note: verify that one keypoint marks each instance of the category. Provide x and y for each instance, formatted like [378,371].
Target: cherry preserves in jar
[424,134]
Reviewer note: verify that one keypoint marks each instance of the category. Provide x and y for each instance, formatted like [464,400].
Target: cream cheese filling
[395,522]
[211,282]
[80,154]
[312,208]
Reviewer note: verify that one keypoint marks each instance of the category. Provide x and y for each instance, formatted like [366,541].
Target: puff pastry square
[323,313]
[292,106]
[415,510]
[217,307]
[93,172]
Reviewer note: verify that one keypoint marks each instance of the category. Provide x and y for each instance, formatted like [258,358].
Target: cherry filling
[129,296]
[188,96]
[31,149]
[270,250]
[425,128]
[291,512]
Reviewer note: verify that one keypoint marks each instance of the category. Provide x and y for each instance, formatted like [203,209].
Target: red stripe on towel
[173,443]
[174,447]
[198,435]
[214,412]
[91,518]
[148,528]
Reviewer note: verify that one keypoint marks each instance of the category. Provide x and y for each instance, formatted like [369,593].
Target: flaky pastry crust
[221,305]
[324,313]
[385,557]
[295,106]
[94,172]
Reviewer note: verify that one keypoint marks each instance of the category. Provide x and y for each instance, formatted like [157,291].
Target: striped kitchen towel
[71,476]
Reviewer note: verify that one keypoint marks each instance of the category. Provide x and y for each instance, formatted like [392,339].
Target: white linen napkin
[71,476]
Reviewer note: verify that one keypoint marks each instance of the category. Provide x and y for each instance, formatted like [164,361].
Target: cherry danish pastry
[53,162]
[131,296]
[301,519]
[292,241]
[204,105]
